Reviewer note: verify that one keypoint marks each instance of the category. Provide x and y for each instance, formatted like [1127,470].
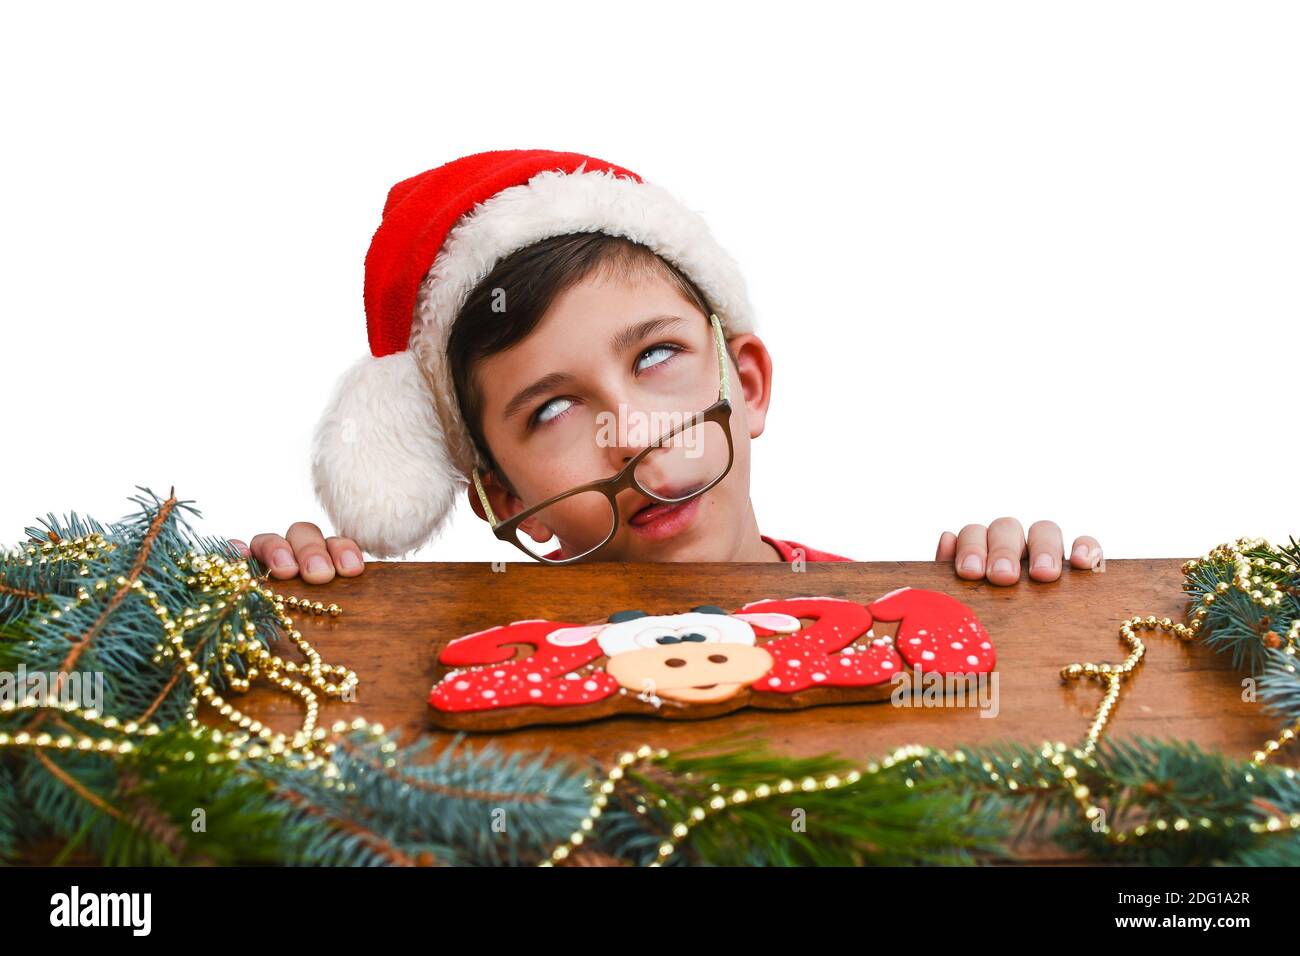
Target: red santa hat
[391,451]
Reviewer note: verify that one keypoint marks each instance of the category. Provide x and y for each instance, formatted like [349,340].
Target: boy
[542,324]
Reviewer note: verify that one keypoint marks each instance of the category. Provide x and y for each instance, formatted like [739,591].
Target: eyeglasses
[683,463]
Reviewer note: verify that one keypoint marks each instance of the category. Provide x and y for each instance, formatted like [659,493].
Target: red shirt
[785,548]
[787,551]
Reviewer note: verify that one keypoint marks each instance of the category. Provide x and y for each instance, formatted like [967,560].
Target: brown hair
[530,279]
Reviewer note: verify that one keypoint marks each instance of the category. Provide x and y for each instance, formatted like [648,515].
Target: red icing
[538,679]
[813,656]
[936,632]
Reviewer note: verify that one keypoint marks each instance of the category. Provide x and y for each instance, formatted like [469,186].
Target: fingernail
[1081,551]
[973,562]
[1002,566]
[1094,557]
[282,558]
[317,565]
[349,561]
[1045,562]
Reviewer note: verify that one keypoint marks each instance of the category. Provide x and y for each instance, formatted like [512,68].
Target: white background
[1032,259]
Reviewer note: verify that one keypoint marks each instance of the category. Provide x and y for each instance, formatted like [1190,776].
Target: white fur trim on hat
[392,451]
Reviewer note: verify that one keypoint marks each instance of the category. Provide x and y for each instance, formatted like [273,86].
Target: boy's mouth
[657,520]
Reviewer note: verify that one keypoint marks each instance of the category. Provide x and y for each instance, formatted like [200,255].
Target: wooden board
[397,615]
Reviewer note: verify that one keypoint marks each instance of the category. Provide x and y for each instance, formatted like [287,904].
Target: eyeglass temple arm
[724,390]
[482,497]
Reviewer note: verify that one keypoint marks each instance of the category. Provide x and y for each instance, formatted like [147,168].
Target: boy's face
[613,364]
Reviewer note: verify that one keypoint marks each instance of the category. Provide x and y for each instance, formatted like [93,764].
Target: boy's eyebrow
[625,338]
[540,387]
[622,340]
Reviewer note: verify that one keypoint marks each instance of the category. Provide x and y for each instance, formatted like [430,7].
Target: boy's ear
[753,379]
[504,503]
[492,488]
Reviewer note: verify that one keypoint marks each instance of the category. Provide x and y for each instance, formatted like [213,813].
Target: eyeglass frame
[611,487]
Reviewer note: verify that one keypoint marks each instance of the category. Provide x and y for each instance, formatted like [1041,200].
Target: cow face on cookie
[701,656]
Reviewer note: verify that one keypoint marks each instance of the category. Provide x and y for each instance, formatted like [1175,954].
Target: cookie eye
[711,634]
[653,637]
[675,662]
[718,658]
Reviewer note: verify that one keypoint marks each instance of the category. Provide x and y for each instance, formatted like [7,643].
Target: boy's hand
[304,550]
[995,552]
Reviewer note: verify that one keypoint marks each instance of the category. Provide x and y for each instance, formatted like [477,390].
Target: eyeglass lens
[685,462]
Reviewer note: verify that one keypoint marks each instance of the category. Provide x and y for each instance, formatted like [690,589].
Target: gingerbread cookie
[705,661]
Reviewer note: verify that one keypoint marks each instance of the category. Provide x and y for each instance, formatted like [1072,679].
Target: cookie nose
[692,655]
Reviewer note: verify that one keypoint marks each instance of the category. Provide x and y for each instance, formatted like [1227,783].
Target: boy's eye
[660,353]
[552,409]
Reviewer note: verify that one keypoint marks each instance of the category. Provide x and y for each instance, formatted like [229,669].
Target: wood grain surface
[397,615]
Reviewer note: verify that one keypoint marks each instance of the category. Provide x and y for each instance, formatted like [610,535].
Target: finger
[314,562]
[240,546]
[346,556]
[275,552]
[972,550]
[1085,553]
[1006,544]
[947,549]
[1046,551]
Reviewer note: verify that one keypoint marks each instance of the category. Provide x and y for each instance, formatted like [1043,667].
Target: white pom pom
[379,462]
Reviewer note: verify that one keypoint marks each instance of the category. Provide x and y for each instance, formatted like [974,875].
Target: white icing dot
[571,676]
[794,662]
[819,676]
[927,655]
[845,661]
[922,632]
[498,674]
[590,685]
[956,645]
[972,659]
[774,682]
[462,685]
[914,640]
[887,665]
[986,645]
[489,694]
[534,693]
[535,678]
